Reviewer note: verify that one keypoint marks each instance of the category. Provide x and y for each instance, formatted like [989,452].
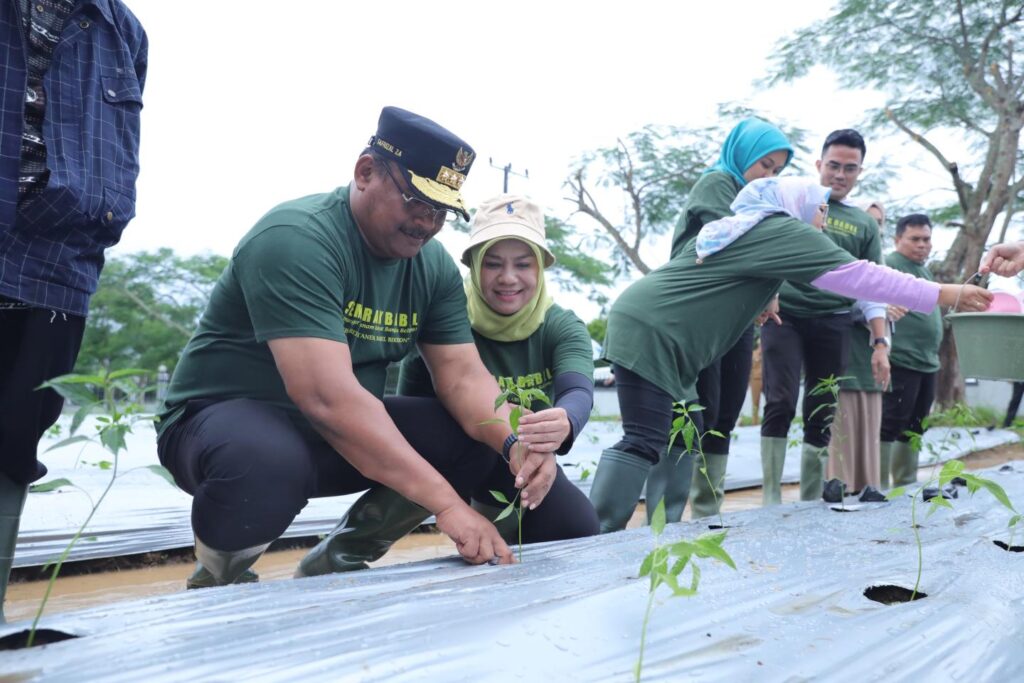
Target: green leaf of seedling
[499,496]
[92,538]
[896,493]
[48,486]
[936,503]
[493,421]
[164,473]
[715,551]
[585,474]
[79,394]
[694,408]
[513,418]
[80,416]
[67,442]
[103,419]
[1015,520]
[129,372]
[715,432]
[950,469]
[104,464]
[645,566]
[500,400]
[658,518]
[997,492]
[112,437]
[506,512]
[72,378]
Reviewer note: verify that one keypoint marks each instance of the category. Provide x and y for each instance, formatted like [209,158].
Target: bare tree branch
[962,189]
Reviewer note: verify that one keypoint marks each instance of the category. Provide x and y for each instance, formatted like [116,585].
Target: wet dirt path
[77,592]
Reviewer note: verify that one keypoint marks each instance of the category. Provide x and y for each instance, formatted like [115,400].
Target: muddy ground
[98,582]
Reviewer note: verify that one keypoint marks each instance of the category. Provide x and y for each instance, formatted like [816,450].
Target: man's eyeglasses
[417,207]
[848,169]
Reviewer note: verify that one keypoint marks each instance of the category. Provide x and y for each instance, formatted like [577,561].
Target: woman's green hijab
[750,140]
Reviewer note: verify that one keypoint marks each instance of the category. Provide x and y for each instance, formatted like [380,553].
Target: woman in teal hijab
[753,149]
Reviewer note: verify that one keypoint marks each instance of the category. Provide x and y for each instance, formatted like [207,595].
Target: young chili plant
[958,416]
[111,395]
[830,386]
[684,426]
[666,563]
[520,399]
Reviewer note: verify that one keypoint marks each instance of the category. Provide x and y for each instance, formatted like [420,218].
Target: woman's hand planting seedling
[119,414]
[665,563]
[520,401]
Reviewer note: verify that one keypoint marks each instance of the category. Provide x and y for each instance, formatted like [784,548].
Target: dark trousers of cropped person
[624,468]
[904,409]
[251,467]
[1014,406]
[35,345]
[819,348]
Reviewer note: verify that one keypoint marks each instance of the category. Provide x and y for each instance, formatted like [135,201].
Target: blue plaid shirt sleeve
[51,250]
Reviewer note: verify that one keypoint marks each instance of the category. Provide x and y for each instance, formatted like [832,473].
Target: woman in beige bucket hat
[526,340]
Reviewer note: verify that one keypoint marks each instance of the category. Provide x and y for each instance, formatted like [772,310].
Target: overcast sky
[250,104]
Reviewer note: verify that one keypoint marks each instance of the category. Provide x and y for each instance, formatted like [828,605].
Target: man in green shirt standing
[914,359]
[278,397]
[814,334]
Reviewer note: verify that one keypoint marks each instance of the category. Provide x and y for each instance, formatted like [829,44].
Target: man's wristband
[881,340]
[507,446]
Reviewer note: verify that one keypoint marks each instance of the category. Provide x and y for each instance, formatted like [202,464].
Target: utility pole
[507,170]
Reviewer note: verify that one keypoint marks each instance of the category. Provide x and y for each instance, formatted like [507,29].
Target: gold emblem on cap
[463,159]
[451,177]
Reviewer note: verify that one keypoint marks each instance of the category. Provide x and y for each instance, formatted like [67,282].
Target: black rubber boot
[12,502]
[375,521]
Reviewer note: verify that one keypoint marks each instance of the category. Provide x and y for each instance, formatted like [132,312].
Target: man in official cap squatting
[279,395]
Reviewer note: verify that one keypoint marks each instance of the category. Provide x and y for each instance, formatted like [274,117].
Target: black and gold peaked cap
[435,160]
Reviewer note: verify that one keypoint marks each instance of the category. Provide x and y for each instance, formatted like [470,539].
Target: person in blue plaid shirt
[70,97]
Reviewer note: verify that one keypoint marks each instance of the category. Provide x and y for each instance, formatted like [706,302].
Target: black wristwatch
[507,446]
[881,340]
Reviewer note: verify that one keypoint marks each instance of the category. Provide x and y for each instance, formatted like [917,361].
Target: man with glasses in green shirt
[279,395]
[814,336]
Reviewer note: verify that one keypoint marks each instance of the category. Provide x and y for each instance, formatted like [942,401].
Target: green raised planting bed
[990,345]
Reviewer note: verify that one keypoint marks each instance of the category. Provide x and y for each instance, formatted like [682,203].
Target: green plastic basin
[989,345]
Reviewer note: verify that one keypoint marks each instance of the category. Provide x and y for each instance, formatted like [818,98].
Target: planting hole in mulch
[44,636]
[891,595]
[715,527]
[1010,548]
[846,508]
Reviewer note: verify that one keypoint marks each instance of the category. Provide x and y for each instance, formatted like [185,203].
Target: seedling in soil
[666,563]
[830,386]
[114,424]
[960,415]
[520,399]
[684,427]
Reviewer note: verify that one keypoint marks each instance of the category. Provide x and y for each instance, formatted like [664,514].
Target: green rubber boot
[224,567]
[616,489]
[707,498]
[12,502]
[670,480]
[375,521]
[885,464]
[202,578]
[904,464]
[773,457]
[812,471]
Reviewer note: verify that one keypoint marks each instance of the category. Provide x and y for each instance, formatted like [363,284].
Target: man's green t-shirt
[305,271]
[669,325]
[916,341]
[710,199]
[561,344]
[856,232]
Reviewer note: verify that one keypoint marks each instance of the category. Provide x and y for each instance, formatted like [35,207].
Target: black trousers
[722,389]
[909,402]
[35,345]
[819,347]
[646,416]
[251,467]
[1011,410]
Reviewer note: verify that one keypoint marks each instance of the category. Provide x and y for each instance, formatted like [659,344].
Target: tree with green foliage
[951,70]
[146,308]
